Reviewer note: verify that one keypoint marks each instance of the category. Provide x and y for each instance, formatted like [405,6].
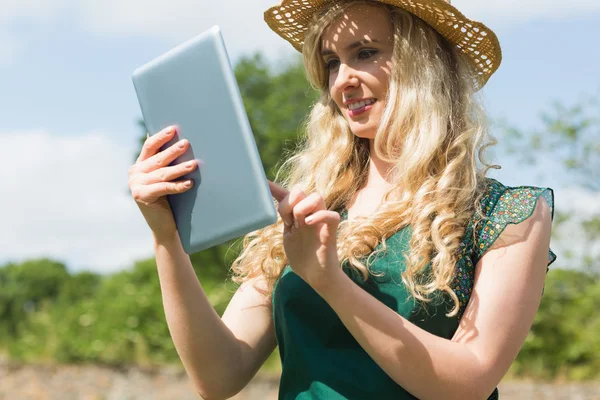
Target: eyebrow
[327,52]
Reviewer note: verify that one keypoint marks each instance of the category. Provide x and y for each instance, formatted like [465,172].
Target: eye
[332,64]
[363,54]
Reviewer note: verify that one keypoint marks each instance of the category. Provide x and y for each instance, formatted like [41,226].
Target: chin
[364,133]
[365,130]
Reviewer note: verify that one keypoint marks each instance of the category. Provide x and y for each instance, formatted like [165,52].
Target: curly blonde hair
[433,132]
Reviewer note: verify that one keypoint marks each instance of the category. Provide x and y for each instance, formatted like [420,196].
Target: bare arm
[219,355]
[507,292]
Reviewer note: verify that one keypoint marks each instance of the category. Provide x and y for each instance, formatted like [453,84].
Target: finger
[166,157]
[166,188]
[331,218]
[168,174]
[154,143]
[147,194]
[287,205]
[278,192]
[311,204]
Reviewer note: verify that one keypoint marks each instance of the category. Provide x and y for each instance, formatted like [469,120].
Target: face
[357,51]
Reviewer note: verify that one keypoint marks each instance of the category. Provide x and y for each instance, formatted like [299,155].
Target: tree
[24,287]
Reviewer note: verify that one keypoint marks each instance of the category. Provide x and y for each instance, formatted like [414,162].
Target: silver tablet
[193,86]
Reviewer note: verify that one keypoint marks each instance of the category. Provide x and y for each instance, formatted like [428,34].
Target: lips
[354,105]
[356,108]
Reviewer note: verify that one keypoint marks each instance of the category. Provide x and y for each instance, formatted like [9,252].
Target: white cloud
[241,22]
[69,200]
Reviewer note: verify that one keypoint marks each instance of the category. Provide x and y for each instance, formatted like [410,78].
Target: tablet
[193,86]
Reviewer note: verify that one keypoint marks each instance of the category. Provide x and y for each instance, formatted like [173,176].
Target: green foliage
[120,321]
[79,286]
[114,319]
[564,341]
[25,287]
[276,105]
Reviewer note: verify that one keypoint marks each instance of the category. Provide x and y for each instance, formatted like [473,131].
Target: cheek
[382,80]
[331,81]
[335,95]
[380,77]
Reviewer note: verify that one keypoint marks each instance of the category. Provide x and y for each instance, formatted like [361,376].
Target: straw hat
[476,41]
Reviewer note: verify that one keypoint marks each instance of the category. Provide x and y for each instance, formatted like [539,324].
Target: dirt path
[98,383]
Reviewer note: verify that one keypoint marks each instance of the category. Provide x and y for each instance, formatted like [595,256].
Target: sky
[68,109]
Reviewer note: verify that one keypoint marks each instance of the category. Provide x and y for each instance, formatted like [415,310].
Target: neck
[378,171]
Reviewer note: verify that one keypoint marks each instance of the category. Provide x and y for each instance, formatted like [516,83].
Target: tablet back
[193,86]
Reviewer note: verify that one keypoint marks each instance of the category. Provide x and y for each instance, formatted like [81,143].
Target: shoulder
[501,207]
[514,199]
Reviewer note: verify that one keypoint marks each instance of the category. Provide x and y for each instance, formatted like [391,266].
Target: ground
[100,383]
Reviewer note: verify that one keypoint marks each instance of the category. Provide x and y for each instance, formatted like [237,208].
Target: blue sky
[68,107]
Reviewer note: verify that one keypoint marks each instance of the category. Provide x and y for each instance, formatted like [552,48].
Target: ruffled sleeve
[503,205]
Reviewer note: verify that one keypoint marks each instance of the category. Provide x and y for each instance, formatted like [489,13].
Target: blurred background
[80,305]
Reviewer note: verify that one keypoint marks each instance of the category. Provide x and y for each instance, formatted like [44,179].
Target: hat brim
[478,43]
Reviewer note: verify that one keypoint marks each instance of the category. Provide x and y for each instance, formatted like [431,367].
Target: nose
[346,78]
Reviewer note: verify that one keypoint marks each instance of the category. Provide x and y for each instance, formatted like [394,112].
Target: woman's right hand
[150,180]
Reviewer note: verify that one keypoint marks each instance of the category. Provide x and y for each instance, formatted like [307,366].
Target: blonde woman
[397,270]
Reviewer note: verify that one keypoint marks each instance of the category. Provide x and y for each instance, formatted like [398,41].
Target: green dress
[322,360]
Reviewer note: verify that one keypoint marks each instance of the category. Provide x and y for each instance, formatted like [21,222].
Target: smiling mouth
[360,104]
[360,107]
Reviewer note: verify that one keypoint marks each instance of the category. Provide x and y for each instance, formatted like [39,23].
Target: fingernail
[308,220]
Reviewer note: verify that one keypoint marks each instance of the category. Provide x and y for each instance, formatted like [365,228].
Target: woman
[397,269]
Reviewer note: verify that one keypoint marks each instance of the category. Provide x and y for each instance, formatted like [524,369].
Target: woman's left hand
[309,235]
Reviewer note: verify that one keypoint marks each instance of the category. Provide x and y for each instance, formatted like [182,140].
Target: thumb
[278,192]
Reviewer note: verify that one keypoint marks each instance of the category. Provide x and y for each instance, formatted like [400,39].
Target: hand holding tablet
[151,179]
[193,86]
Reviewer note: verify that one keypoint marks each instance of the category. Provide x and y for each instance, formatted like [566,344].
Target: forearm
[208,350]
[428,366]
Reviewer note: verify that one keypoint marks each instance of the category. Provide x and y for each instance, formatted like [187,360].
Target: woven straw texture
[477,42]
